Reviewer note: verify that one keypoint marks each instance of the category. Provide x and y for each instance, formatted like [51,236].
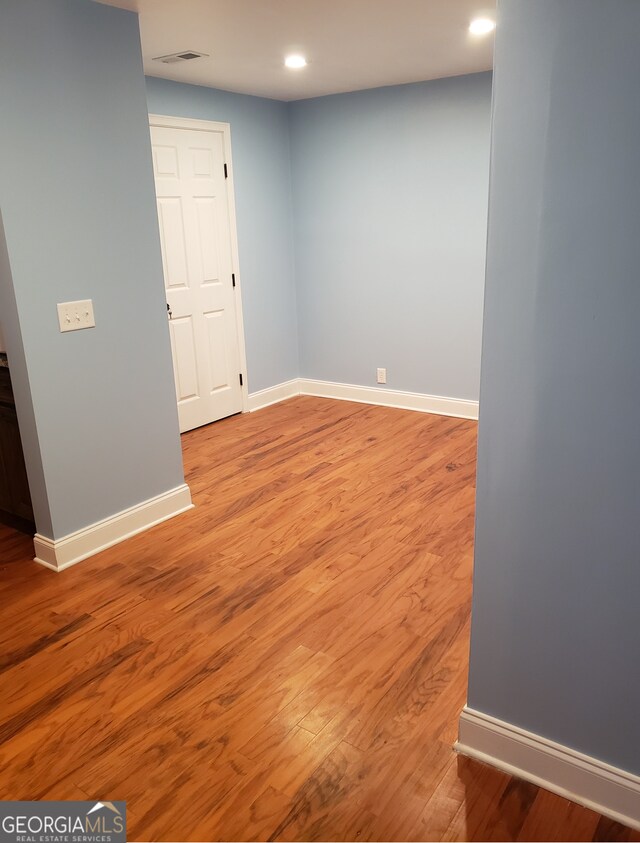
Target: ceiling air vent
[186,55]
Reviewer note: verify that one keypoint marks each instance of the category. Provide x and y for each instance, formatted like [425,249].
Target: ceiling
[350,44]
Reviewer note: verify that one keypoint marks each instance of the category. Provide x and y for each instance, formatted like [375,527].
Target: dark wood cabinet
[15,500]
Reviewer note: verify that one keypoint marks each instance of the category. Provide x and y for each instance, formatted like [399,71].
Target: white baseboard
[552,766]
[418,401]
[455,407]
[59,554]
[273,394]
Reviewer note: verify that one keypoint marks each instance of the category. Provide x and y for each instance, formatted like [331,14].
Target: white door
[194,215]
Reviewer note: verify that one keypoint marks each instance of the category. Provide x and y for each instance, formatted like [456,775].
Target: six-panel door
[195,233]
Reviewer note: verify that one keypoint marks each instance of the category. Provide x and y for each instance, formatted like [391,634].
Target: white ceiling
[350,44]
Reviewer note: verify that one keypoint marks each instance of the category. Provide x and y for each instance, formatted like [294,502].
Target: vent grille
[185,55]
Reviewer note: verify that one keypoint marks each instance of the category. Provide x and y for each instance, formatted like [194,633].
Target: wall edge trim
[58,554]
[273,394]
[418,401]
[421,402]
[550,765]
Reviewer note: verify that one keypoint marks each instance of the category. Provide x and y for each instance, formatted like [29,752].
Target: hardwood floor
[287,661]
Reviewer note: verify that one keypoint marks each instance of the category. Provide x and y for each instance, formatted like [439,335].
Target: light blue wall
[77,199]
[389,228]
[390,199]
[556,632]
[262,179]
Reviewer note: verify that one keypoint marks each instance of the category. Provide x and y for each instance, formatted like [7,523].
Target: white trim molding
[59,554]
[552,766]
[455,407]
[273,394]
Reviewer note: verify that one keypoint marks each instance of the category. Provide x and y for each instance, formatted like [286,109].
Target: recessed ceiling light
[295,62]
[481,26]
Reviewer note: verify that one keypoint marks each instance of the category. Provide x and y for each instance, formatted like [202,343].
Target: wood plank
[286,661]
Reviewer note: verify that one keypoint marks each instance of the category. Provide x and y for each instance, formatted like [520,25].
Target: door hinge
[241,381]
[226,172]
[233,278]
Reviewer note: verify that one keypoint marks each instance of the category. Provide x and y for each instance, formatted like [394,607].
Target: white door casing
[196,216]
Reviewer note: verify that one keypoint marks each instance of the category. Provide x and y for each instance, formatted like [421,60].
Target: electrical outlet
[76,315]
[382,375]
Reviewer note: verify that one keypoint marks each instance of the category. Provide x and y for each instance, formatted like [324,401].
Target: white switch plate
[382,375]
[76,315]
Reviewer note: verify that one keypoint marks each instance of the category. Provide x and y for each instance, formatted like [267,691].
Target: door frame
[162,121]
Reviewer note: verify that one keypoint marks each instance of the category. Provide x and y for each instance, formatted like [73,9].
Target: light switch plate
[76,315]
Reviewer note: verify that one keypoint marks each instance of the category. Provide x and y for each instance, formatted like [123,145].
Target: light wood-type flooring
[287,661]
